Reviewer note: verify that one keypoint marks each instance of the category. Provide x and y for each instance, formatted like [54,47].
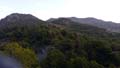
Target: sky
[107,10]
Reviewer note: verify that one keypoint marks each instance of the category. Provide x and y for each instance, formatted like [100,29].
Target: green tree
[112,66]
[78,62]
[94,64]
[25,55]
[100,51]
[55,59]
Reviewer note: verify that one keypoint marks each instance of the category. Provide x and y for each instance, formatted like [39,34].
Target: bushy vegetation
[25,55]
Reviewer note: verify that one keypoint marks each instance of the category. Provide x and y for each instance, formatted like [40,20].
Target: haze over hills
[16,17]
[90,26]
[110,26]
[85,25]
[28,20]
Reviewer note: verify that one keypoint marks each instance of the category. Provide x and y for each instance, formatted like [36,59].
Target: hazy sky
[108,10]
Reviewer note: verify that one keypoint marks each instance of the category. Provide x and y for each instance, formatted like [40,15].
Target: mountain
[17,19]
[108,25]
[81,28]
[21,36]
[57,43]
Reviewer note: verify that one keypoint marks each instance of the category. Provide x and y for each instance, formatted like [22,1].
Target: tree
[55,59]
[99,50]
[94,64]
[112,66]
[25,55]
[78,62]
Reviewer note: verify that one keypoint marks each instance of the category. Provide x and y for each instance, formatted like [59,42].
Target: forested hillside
[58,44]
[108,25]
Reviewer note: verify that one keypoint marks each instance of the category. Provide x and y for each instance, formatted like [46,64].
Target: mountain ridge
[109,25]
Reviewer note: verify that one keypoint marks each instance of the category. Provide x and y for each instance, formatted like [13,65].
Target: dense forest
[60,43]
